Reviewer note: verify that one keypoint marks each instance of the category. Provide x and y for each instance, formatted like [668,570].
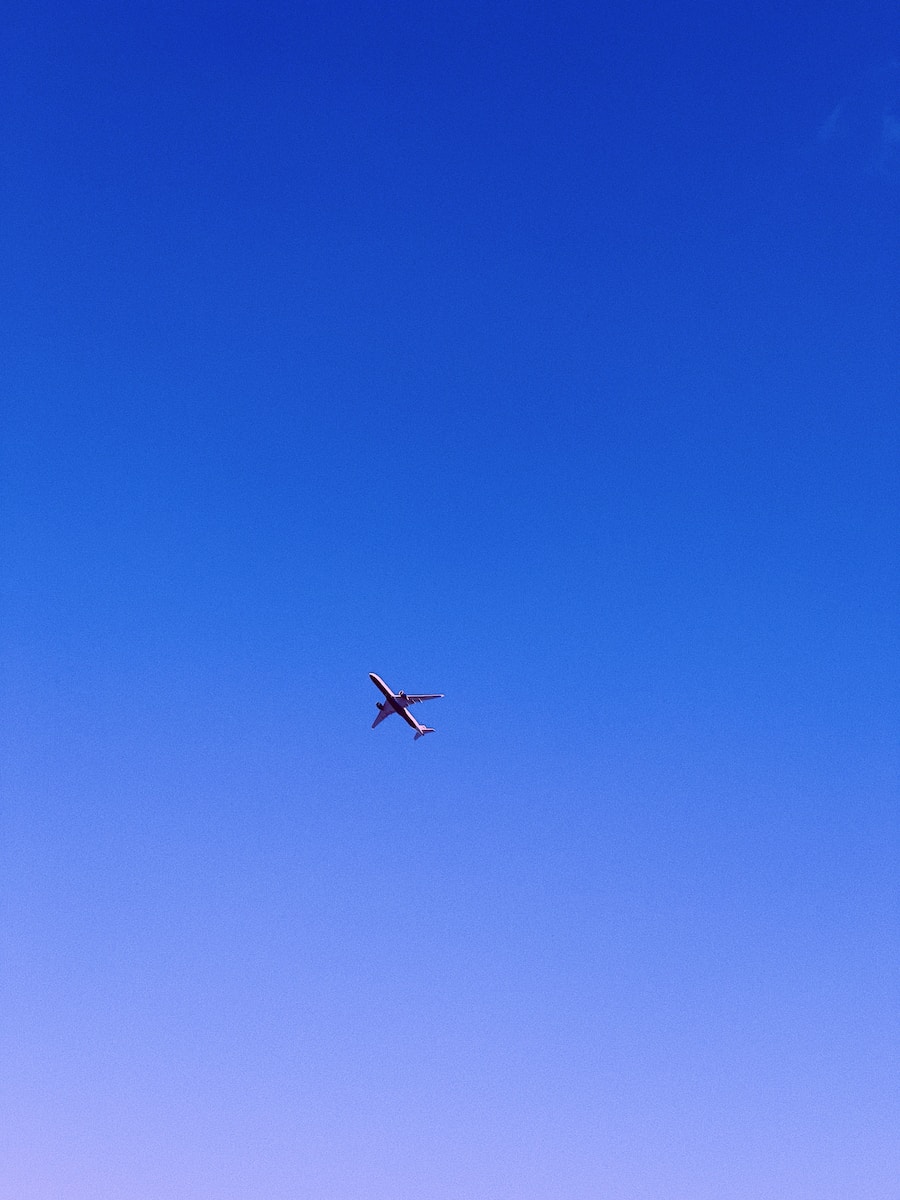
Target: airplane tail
[422,732]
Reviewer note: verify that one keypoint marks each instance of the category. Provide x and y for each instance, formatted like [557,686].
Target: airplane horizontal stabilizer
[422,733]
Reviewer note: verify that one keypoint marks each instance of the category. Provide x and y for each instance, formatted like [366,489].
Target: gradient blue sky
[545,356]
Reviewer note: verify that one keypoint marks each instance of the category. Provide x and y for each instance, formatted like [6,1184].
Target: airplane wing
[386,711]
[416,699]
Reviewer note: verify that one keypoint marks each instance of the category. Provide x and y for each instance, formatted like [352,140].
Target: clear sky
[544,355]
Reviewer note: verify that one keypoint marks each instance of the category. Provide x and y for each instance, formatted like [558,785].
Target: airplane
[399,703]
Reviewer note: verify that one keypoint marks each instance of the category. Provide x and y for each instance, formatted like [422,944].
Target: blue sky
[541,356]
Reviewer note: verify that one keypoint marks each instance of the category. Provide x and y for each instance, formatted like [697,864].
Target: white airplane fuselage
[399,702]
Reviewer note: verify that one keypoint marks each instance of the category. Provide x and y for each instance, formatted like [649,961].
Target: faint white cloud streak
[863,129]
